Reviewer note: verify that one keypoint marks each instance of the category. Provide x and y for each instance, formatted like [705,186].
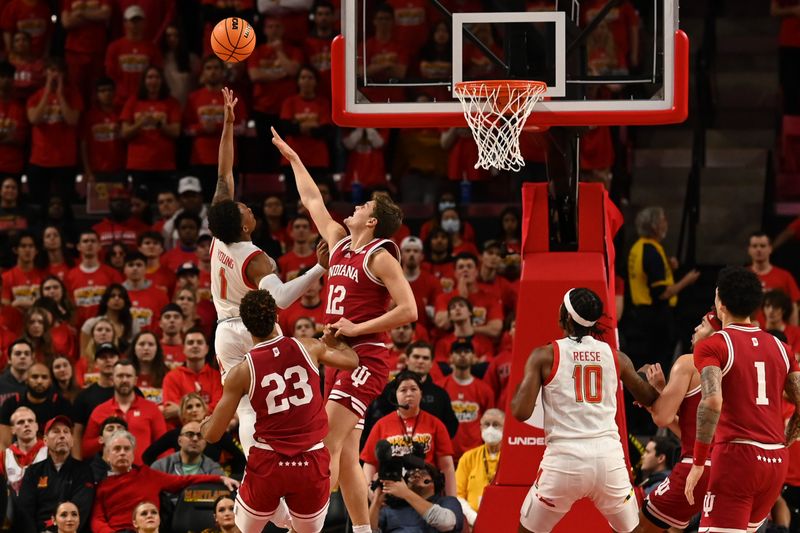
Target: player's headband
[714,320]
[575,316]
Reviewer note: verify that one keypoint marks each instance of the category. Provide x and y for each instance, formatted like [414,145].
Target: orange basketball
[233,39]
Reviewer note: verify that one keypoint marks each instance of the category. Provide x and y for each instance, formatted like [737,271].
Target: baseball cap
[171,307]
[188,268]
[491,243]
[119,193]
[104,348]
[132,12]
[58,419]
[412,242]
[462,345]
[189,184]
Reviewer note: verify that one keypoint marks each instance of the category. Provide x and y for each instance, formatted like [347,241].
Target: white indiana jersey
[580,395]
[229,282]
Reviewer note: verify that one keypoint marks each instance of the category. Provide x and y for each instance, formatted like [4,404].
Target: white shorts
[566,476]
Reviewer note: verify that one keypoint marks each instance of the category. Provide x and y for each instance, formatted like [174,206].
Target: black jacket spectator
[9,386]
[54,404]
[100,468]
[44,486]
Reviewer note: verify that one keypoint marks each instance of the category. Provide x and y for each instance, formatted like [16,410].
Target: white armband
[285,294]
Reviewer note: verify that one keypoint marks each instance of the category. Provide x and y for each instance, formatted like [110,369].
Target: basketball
[233,39]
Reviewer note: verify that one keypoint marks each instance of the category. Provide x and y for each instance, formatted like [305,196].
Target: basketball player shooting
[578,377]
[280,375]
[364,273]
[239,266]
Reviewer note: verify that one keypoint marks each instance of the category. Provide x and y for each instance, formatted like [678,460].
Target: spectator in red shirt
[128,57]
[460,314]
[148,358]
[54,112]
[450,221]
[469,396]
[151,121]
[190,196]
[436,62]
[487,310]
[272,68]
[15,216]
[119,226]
[121,493]
[411,425]
[171,325]
[21,283]
[387,57]
[302,255]
[13,125]
[86,25]
[187,300]
[53,288]
[317,46]
[202,121]
[424,285]
[366,161]
[305,117]
[102,148]
[499,371]
[144,419]
[195,375]
[167,203]
[489,278]
[777,307]
[304,328]
[308,306]
[32,17]
[511,233]
[30,68]
[401,337]
[151,245]
[185,250]
[760,249]
[146,300]
[54,336]
[56,258]
[88,281]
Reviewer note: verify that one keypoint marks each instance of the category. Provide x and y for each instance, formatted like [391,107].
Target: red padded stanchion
[546,276]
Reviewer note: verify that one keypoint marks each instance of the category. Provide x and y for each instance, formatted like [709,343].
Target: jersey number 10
[588,383]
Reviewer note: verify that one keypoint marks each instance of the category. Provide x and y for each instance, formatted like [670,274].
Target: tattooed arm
[792,389]
[224,189]
[707,417]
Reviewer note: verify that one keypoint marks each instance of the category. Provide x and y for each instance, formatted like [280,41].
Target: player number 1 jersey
[229,281]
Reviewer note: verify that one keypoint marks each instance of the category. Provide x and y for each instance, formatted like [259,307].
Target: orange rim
[504,86]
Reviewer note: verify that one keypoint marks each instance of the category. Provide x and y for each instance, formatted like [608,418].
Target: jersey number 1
[761,379]
[588,383]
[223,284]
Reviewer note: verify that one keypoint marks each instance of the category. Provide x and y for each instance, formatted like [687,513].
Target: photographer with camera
[423,507]
[409,429]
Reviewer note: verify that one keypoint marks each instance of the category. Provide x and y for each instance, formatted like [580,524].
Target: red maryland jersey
[353,291]
[285,393]
[754,368]
[687,420]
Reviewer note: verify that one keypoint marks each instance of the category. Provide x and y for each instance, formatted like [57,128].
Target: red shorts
[303,479]
[744,484]
[355,389]
[666,506]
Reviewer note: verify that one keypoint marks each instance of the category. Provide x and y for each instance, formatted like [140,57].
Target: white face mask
[492,435]
[451,225]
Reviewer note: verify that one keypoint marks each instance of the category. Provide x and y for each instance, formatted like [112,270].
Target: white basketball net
[496,114]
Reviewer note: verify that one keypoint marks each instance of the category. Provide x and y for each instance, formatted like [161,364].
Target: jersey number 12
[336,296]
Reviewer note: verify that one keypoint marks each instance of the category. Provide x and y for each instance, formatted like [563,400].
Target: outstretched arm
[642,391]
[330,230]
[524,400]
[669,401]
[224,189]
[260,273]
[707,418]
[237,384]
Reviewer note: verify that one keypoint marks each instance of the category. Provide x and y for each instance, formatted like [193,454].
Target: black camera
[390,467]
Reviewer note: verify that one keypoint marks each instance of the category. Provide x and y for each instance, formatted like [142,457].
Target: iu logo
[662,488]
[708,503]
[360,376]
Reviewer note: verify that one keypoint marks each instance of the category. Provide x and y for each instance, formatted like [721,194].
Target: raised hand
[285,150]
[230,103]
[323,254]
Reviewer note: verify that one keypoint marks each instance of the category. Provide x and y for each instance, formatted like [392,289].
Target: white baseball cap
[411,242]
[132,12]
[189,184]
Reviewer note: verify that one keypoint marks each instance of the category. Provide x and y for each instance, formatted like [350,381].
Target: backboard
[604,62]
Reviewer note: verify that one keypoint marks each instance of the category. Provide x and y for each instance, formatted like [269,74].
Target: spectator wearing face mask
[478,466]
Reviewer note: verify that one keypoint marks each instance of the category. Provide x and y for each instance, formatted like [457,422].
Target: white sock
[362,529]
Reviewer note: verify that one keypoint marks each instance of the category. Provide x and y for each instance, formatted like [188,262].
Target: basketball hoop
[496,112]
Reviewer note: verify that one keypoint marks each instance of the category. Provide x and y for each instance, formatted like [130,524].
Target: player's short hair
[589,306]
[419,344]
[407,375]
[388,213]
[258,312]
[647,219]
[135,255]
[459,299]
[739,290]
[778,298]
[758,234]
[113,420]
[225,221]
[466,256]
[19,341]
